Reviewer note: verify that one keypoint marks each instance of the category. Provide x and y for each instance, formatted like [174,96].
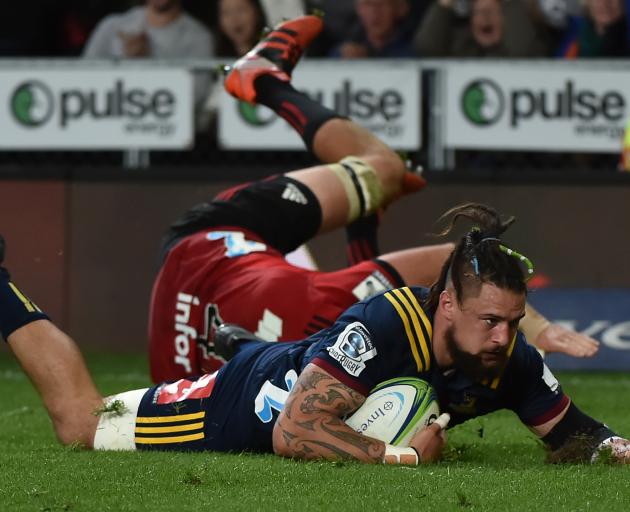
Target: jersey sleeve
[535,395]
[384,337]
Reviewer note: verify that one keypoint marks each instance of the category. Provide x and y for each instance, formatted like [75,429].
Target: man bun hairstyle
[480,256]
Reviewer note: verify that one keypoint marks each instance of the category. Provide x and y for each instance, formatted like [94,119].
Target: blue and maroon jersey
[394,335]
[387,336]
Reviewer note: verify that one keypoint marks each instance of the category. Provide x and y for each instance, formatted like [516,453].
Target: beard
[474,366]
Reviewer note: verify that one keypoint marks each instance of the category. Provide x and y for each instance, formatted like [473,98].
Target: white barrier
[539,105]
[530,107]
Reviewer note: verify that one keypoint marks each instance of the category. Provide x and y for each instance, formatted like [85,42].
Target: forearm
[53,363]
[325,437]
[311,425]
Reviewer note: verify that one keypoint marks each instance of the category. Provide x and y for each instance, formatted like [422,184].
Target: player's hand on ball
[430,441]
[556,338]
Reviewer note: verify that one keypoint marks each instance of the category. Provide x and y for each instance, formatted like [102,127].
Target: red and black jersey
[230,275]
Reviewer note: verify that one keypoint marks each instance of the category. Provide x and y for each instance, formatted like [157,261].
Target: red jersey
[230,275]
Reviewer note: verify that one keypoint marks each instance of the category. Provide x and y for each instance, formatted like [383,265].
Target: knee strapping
[117,422]
[362,186]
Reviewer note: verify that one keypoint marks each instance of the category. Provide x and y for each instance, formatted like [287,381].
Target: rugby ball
[395,410]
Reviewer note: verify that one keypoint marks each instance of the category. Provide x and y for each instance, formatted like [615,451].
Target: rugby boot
[228,337]
[276,54]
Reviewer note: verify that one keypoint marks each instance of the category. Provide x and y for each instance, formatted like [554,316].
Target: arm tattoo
[312,379]
[313,401]
[311,424]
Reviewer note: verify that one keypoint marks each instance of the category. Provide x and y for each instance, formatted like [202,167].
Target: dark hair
[224,47]
[477,257]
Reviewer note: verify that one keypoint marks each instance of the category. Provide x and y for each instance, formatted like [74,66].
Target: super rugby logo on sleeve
[353,348]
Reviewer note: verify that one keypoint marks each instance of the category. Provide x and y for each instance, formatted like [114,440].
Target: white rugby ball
[395,410]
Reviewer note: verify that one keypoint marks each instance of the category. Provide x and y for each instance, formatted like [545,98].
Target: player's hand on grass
[430,441]
[556,338]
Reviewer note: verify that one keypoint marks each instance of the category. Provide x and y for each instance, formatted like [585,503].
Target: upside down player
[291,398]
[224,261]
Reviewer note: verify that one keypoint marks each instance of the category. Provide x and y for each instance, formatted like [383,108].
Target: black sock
[362,240]
[305,115]
[16,309]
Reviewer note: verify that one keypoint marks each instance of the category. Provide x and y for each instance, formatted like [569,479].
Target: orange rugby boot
[276,54]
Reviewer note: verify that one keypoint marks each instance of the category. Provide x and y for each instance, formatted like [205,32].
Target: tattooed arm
[311,426]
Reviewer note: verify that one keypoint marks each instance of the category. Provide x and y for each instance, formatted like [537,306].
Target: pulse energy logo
[34,104]
[593,112]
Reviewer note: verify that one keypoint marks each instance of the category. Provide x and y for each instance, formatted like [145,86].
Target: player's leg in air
[365,174]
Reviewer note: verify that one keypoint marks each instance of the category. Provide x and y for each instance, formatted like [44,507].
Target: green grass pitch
[492,463]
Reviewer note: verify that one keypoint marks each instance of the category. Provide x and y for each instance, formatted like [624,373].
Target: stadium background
[84,224]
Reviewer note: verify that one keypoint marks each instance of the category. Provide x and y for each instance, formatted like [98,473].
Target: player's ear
[447,303]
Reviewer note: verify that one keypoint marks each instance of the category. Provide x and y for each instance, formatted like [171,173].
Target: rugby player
[224,260]
[461,336]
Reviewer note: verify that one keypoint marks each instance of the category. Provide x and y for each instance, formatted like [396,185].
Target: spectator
[495,28]
[601,32]
[160,29]
[241,23]
[384,30]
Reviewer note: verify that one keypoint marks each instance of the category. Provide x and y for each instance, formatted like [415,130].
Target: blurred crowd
[353,28]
